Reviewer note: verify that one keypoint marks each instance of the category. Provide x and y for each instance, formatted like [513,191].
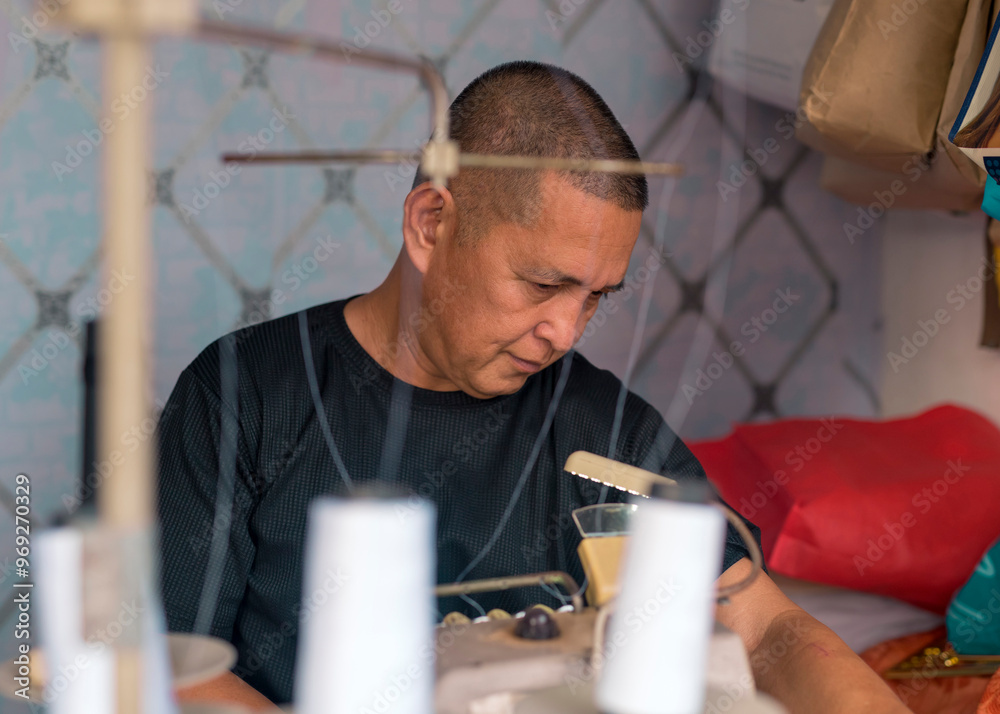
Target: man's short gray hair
[534,109]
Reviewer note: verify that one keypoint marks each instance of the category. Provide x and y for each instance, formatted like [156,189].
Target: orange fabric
[939,695]
[990,703]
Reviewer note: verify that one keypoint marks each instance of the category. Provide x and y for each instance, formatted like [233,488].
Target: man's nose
[561,324]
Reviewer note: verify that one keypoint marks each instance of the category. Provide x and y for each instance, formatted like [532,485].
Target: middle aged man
[464,350]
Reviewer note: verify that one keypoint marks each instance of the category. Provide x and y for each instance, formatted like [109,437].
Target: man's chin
[496,386]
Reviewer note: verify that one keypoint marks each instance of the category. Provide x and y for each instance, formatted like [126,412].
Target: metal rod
[556,164]
[325,157]
[487,585]
[391,156]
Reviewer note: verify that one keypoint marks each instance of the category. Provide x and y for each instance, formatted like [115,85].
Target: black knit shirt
[467,455]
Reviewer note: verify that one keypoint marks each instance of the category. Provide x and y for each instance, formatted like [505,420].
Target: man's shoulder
[593,395]
[269,348]
[596,404]
[280,332]
[600,389]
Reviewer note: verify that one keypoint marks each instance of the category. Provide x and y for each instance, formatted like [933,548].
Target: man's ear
[429,219]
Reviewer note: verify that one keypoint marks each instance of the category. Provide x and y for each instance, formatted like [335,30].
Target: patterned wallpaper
[745,300]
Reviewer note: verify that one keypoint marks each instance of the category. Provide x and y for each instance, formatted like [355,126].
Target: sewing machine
[543,660]
[487,668]
[547,661]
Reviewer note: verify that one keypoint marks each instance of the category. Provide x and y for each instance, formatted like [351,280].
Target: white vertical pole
[126,503]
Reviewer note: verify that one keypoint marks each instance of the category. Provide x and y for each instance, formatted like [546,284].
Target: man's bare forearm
[804,665]
[227,689]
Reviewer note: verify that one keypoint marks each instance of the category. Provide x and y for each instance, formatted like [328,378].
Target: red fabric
[903,508]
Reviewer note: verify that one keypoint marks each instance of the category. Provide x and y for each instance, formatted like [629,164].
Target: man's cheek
[585,318]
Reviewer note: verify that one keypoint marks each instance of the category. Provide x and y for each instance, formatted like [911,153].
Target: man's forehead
[558,257]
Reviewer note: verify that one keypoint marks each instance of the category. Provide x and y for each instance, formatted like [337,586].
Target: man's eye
[545,288]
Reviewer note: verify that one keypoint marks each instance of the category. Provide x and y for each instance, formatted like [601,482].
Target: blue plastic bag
[973,617]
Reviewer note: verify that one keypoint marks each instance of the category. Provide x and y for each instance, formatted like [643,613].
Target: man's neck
[378,319]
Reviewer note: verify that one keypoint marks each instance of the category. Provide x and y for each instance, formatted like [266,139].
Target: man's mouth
[525,365]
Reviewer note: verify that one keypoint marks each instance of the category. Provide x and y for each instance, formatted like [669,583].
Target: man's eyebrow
[551,275]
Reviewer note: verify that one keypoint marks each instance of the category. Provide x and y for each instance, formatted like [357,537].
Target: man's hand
[795,658]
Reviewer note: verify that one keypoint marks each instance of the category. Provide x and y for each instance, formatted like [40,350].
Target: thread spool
[367,618]
[656,649]
[81,678]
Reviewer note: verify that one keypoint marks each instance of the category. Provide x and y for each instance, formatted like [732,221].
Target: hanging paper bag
[874,84]
[946,179]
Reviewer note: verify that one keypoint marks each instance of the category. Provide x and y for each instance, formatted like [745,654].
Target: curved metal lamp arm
[440,152]
[441,157]
[333,50]
[756,557]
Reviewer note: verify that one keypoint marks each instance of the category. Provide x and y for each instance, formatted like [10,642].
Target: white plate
[196,658]
[193,659]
